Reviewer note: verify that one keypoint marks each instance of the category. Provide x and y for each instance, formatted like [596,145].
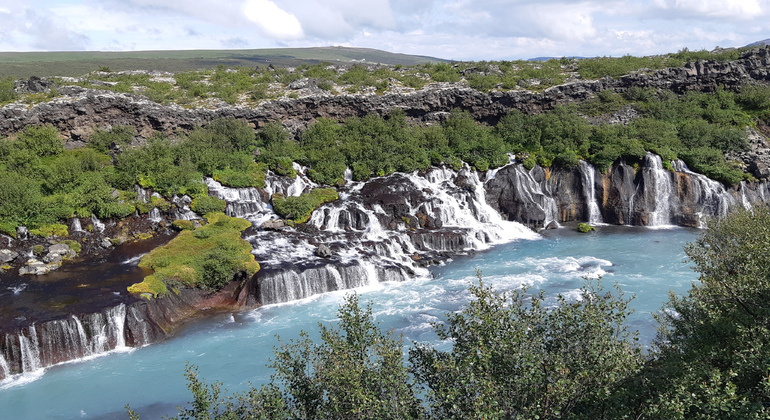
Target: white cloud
[457,29]
[738,9]
[274,21]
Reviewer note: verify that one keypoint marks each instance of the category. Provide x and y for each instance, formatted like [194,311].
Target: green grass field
[75,63]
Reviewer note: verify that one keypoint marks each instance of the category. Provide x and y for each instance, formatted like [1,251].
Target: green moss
[38,250]
[183,225]
[204,204]
[186,261]
[51,230]
[74,245]
[585,228]
[251,176]
[299,209]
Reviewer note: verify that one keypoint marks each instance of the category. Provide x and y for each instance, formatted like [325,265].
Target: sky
[449,29]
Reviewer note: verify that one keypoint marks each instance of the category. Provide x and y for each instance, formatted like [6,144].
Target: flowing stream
[235,348]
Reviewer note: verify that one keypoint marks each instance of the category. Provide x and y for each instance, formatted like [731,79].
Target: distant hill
[759,43]
[75,63]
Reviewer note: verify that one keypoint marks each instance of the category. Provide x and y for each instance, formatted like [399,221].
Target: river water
[234,349]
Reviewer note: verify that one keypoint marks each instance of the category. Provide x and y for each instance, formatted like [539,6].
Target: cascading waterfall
[588,174]
[155,215]
[53,342]
[5,370]
[716,201]
[30,351]
[660,180]
[245,203]
[372,241]
[76,226]
[98,225]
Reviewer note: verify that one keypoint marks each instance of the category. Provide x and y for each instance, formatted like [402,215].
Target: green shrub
[253,175]
[585,228]
[299,209]
[183,224]
[38,250]
[205,204]
[40,140]
[52,230]
[7,91]
[120,135]
[74,245]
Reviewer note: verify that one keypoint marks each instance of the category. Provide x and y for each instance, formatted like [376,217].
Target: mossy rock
[186,260]
[585,228]
[52,230]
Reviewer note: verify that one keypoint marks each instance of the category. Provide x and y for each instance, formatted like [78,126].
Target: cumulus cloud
[340,18]
[457,29]
[733,9]
[37,30]
[272,20]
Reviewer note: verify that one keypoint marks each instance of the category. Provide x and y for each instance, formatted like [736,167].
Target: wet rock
[6,255]
[552,225]
[37,268]
[323,251]
[106,243]
[275,224]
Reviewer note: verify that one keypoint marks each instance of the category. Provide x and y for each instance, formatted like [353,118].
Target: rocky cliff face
[78,111]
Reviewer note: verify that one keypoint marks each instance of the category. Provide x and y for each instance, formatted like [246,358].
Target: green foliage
[204,204]
[51,231]
[299,209]
[40,141]
[585,228]
[120,135]
[711,356]
[357,371]
[248,174]
[595,68]
[74,245]
[442,72]
[513,356]
[7,91]
[183,224]
[199,258]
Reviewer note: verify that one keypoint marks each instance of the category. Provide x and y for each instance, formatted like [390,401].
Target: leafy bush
[51,231]
[205,204]
[7,91]
[585,228]
[299,209]
[183,224]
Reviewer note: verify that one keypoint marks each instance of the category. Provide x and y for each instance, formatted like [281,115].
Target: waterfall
[588,175]
[381,231]
[30,351]
[5,370]
[75,226]
[713,200]
[660,180]
[245,203]
[155,215]
[98,225]
[46,344]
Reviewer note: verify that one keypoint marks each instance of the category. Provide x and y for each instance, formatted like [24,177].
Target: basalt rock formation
[78,111]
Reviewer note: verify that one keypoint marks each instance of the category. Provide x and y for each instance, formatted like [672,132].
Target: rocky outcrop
[646,195]
[79,111]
